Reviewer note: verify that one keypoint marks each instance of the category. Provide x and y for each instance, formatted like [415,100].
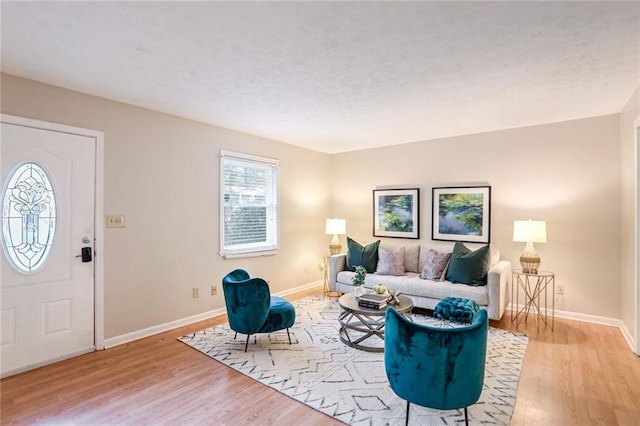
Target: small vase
[359,291]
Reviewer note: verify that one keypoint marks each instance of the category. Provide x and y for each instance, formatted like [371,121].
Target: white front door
[47,290]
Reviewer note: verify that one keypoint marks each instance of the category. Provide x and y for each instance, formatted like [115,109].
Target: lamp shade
[336,227]
[530,231]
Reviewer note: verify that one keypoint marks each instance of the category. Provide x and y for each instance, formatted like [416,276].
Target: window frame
[269,247]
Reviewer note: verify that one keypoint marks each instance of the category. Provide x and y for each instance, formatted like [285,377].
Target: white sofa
[426,293]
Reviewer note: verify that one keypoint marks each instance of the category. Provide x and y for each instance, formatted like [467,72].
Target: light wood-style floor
[580,374]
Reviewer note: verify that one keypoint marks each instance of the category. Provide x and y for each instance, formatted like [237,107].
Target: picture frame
[461,214]
[396,213]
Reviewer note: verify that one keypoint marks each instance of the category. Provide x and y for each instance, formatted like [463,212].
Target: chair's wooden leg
[247,344]
[289,336]
[466,417]
[236,335]
[406,422]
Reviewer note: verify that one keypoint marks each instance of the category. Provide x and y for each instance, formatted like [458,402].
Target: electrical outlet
[214,290]
[196,292]
[559,289]
[115,221]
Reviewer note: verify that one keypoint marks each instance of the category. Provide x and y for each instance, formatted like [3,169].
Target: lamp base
[530,263]
[334,246]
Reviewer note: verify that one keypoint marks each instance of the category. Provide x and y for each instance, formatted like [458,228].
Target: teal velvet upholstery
[359,255]
[251,308]
[440,368]
[469,267]
[456,309]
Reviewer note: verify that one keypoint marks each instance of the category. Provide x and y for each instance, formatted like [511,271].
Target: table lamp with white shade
[530,231]
[336,227]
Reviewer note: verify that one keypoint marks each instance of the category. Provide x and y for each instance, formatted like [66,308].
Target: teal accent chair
[435,367]
[251,308]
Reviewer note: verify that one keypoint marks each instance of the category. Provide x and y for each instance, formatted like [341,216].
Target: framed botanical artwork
[462,214]
[396,213]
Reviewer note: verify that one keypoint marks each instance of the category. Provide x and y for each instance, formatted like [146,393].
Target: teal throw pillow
[469,267]
[357,254]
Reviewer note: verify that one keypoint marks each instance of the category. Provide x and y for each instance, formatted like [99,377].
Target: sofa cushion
[390,261]
[411,254]
[411,258]
[412,285]
[357,254]
[468,267]
[443,247]
[495,256]
[434,265]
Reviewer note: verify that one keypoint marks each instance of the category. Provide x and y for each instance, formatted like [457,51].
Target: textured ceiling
[337,76]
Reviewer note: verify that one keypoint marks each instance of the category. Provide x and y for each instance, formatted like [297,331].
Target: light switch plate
[115,221]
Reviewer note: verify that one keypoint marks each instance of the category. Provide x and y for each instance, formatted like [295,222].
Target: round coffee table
[359,324]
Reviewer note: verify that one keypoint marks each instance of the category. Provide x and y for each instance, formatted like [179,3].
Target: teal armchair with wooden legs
[251,308]
[435,367]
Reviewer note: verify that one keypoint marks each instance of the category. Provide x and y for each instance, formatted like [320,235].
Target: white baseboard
[575,316]
[612,322]
[629,338]
[161,328]
[150,331]
[303,287]
[594,319]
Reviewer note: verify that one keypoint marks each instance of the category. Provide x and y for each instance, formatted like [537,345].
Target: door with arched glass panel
[47,286]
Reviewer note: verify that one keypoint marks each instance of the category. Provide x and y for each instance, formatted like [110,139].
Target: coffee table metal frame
[365,323]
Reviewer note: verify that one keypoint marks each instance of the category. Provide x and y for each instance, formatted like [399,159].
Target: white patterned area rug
[350,384]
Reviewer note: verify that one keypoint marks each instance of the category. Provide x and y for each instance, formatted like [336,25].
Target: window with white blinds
[249,205]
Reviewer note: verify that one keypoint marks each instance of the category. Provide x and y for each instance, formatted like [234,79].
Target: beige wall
[162,172]
[566,173]
[629,303]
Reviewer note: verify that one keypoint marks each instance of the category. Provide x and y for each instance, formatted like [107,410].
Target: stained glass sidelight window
[28,217]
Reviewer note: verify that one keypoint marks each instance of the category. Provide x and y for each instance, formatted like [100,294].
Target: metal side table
[534,288]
